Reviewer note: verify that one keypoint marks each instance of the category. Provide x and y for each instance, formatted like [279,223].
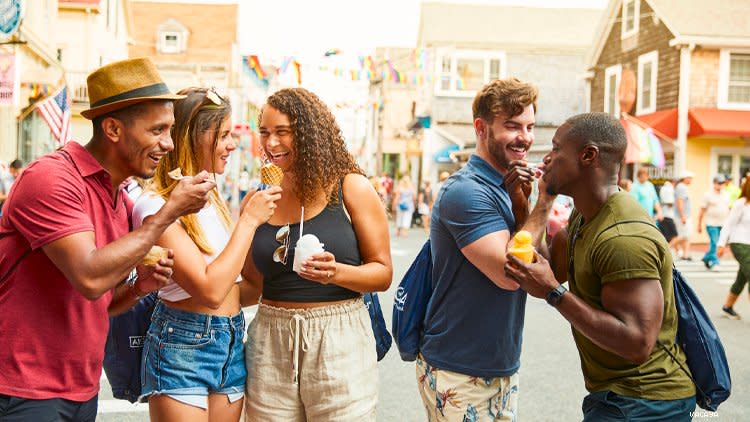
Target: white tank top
[216,234]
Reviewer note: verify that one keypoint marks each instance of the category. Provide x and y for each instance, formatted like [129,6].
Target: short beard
[497,153]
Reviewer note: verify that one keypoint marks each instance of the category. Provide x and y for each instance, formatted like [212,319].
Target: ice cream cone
[154,255]
[271,174]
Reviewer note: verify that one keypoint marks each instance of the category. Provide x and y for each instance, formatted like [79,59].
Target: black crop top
[281,283]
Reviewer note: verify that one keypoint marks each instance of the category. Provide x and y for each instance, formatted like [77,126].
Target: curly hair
[507,96]
[321,156]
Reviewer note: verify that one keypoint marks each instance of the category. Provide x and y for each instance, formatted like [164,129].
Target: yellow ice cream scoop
[522,248]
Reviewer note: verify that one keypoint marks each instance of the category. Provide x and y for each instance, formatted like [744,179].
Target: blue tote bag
[410,304]
[699,339]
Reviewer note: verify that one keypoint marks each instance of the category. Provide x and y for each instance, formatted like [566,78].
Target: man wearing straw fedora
[65,250]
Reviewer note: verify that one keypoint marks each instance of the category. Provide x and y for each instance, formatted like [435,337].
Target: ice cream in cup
[307,246]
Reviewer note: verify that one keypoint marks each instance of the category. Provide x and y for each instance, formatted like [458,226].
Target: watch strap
[555,295]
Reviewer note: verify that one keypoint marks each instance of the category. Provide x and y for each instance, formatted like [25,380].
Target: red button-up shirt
[52,336]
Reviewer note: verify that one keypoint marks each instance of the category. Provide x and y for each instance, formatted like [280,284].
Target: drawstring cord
[294,334]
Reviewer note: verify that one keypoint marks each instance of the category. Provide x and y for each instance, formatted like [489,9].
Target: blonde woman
[404,201]
[193,357]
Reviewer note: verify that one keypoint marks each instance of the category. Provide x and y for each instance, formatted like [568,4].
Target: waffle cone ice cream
[271,174]
[176,173]
[154,255]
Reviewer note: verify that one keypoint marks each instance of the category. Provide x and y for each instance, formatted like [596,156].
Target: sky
[307,28]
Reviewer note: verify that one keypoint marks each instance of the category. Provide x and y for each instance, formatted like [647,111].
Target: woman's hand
[260,206]
[320,268]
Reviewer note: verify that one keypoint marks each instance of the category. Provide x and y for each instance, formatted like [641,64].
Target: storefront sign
[10,16]
[7,78]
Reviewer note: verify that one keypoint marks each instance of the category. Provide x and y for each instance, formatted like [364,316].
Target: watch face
[554,296]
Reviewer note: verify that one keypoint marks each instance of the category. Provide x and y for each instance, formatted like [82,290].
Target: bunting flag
[253,64]
[285,63]
[298,71]
[37,90]
[55,111]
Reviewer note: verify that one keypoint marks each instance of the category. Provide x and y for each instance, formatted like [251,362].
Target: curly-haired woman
[310,351]
[193,357]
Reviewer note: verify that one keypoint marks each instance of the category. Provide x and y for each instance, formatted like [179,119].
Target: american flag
[55,111]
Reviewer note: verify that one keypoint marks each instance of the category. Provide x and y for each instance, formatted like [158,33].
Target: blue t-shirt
[472,326]
[645,194]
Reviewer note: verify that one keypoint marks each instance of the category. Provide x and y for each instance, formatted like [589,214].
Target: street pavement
[551,384]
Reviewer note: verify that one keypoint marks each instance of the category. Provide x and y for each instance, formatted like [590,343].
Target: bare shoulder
[359,194]
[357,184]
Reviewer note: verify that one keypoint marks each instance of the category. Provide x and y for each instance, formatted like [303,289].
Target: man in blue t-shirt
[645,193]
[471,347]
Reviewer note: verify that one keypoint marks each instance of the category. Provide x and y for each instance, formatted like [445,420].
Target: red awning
[662,121]
[703,122]
[713,122]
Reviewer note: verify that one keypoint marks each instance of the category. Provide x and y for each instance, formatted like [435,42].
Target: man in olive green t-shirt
[621,301]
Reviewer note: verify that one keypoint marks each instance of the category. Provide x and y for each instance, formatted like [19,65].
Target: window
[445,74]
[630,17]
[464,72]
[170,42]
[612,77]
[734,79]
[648,67]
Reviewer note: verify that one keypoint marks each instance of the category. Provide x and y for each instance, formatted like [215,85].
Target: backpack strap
[674,358]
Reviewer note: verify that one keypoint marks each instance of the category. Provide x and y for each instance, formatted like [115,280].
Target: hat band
[146,91]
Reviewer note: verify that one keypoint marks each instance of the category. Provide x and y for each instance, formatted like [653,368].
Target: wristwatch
[555,295]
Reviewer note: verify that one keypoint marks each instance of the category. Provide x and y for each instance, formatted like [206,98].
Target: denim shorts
[187,353]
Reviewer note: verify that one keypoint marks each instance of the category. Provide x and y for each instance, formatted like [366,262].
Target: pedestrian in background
[621,303]
[7,177]
[310,351]
[193,357]
[243,184]
[424,204]
[404,200]
[67,261]
[714,211]
[645,193]
[386,183]
[667,225]
[470,351]
[683,222]
[444,175]
[736,232]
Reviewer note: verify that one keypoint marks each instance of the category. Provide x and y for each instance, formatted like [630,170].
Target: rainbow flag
[643,145]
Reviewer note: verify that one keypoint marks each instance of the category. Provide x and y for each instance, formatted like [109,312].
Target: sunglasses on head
[281,253]
[214,96]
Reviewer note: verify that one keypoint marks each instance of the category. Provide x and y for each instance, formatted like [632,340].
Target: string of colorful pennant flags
[364,68]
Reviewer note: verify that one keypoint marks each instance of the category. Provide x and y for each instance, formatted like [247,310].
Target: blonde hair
[194,114]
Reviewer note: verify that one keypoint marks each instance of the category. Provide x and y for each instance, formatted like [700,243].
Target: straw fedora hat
[124,83]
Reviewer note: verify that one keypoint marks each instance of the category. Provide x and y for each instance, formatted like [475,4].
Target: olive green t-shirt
[604,252]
